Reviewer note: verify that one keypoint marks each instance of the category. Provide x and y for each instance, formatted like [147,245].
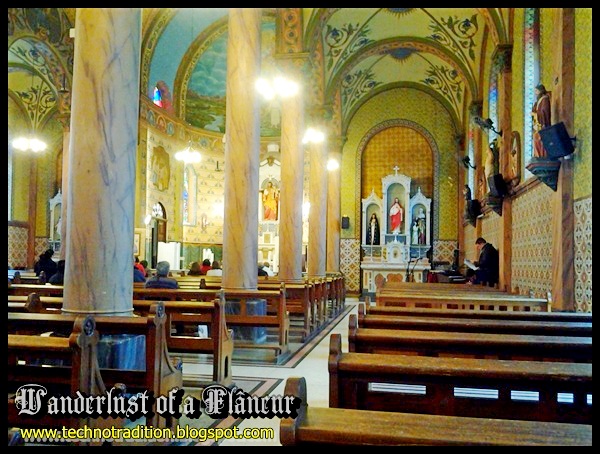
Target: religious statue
[373,230]
[514,168]
[270,198]
[467,192]
[396,214]
[492,161]
[541,119]
[421,226]
[415,233]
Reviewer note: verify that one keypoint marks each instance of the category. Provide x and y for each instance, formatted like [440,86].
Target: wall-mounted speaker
[556,140]
[345,222]
[497,185]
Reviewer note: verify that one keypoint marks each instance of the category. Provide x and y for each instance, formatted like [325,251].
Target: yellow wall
[397,146]
[518,80]
[169,195]
[416,106]
[583,103]
[547,47]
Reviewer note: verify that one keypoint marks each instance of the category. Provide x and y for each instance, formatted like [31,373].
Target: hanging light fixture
[27,144]
[188,155]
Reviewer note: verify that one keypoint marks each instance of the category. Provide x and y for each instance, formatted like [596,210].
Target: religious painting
[160,168]
[270,199]
[207,86]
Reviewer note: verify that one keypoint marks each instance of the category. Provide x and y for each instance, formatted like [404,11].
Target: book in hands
[471,265]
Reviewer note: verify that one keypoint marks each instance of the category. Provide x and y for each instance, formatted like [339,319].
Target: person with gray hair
[161,280]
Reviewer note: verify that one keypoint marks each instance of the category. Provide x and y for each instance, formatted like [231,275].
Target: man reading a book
[488,264]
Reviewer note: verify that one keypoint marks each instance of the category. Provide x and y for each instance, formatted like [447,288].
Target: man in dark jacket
[161,280]
[488,263]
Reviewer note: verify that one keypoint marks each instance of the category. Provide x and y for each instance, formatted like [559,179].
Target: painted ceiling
[370,50]
[363,52]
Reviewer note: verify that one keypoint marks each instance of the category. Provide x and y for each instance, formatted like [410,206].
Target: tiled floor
[313,368]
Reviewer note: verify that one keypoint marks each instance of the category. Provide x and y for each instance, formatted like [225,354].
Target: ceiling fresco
[366,50]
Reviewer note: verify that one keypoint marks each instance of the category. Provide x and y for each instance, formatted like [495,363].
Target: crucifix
[396,168]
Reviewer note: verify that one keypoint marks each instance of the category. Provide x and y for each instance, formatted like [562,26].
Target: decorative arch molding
[53,70]
[436,164]
[152,34]
[189,61]
[314,28]
[398,42]
[493,19]
[458,126]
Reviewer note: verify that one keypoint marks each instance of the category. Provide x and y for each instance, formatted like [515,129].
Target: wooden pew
[478,345]
[42,290]
[277,313]
[277,317]
[219,342]
[466,325]
[297,298]
[426,286]
[26,277]
[463,300]
[340,426]
[159,376]
[82,374]
[355,378]
[477,314]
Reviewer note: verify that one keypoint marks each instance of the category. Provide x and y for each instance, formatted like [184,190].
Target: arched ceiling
[368,50]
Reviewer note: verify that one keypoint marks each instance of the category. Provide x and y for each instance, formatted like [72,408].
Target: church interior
[341,170]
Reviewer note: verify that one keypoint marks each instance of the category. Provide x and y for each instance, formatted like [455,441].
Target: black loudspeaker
[556,140]
[497,185]
[345,222]
[474,208]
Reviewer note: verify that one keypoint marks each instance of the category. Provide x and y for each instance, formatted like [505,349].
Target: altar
[396,234]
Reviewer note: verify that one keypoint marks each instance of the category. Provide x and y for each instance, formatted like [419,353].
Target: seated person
[144,263]
[215,270]
[45,264]
[195,269]
[205,266]
[161,280]
[58,278]
[138,265]
[261,270]
[488,263]
[138,276]
[267,268]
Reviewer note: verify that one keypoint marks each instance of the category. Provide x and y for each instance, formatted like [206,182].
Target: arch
[436,160]
[392,86]
[149,41]
[189,61]
[493,19]
[394,43]
[58,73]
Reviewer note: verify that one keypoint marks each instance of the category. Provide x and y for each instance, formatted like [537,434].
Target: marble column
[292,179]
[101,181]
[503,59]
[317,217]
[32,211]
[242,151]
[334,188]
[66,123]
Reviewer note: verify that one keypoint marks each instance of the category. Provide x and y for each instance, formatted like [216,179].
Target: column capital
[502,58]
[476,108]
